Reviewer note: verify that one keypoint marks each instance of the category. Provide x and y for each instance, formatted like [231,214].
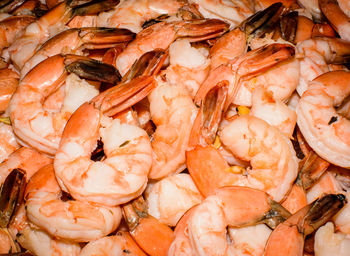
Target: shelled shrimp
[323,128]
[41,106]
[73,220]
[122,174]
[9,143]
[8,84]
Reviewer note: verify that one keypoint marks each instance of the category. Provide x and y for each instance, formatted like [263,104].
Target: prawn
[227,206]
[8,85]
[9,143]
[173,112]
[161,35]
[40,107]
[122,174]
[73,220]
[288,237]
[324,129]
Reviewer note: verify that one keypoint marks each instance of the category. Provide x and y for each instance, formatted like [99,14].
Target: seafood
[173,112]
[73,220]
[41,107]
[122,174]
[169,198]
[274,165]
[113,245]
[227,206]
[288,237]
[323,128]
[150,234]
[161,35]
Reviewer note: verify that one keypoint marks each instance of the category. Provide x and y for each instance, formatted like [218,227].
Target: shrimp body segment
[74,220]
[118,178]
[327,132]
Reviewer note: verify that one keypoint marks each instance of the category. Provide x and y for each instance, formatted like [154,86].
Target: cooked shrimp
[27,159]
[73,41]
[8,85]
[233,11]
[122,175]
[188,66]
[324,129]
[274,112]
[288,237]
[169,198]
[271,155]
[38,241]
[149,233]
[73,220]
[12,27]
[337,15]
[45,27]
[315,54]
[228,206]
[7,245]
[119,244]
[9,143]
[312,7]
[41,107]
[328,242]
[341,220]
[161,35]
[132,14]
[173,112]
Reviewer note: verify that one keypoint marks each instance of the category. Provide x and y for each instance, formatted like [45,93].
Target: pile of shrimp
[175,127]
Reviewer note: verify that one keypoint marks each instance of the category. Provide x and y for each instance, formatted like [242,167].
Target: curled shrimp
[324,129]
[122,174]
[172,111]
[169,198]
[73,220]
[161,35]
[227,206]
[288,237]
[113,245]
[39,111]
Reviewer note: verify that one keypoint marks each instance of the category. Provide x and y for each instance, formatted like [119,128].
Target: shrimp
[36,240]
[329,242]
[73,41]
[169,198]
[288,237]
[161,35]
[312,7]
[151,235]
[133,13]
[122,174]
[324,129]
[119,244]
[45,27]
[39,110]
[73,220]
[274,165]
[173,112]
[315,56]
[337,15]
[9,143]
[27,159]
[233,12]
[227,206]
[12,27]
[8,85]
